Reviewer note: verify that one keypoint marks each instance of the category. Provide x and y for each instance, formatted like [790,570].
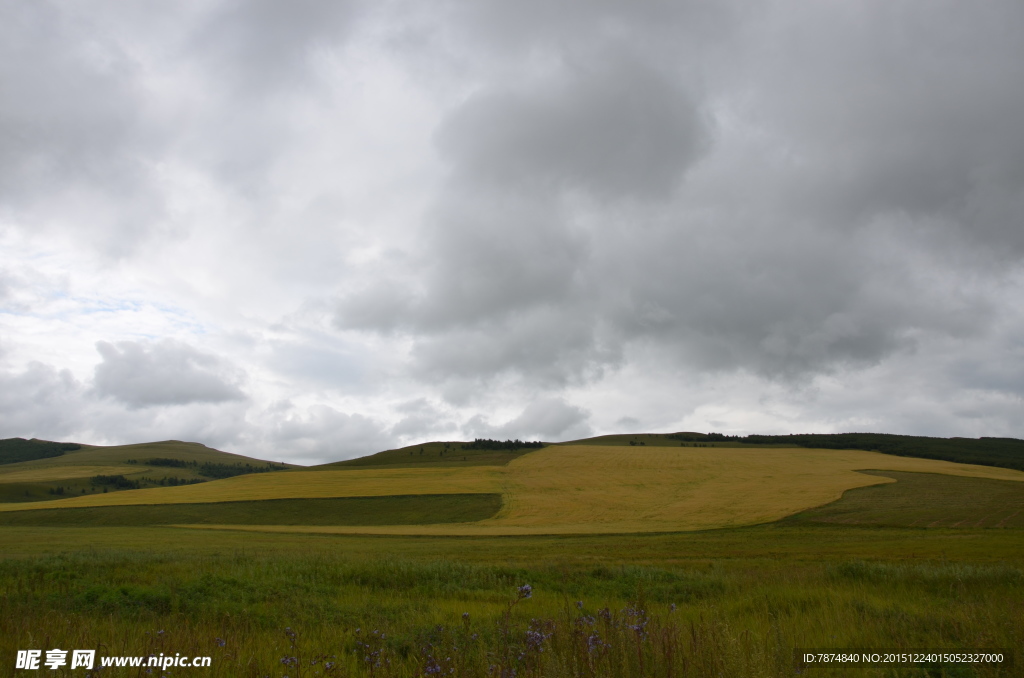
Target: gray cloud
[548,419]
[321,434]
[771,250]
[40,401]
[74,128]
[615,128]
[422,420]
[168,372]
[903,109]
[256,47]
[453,212]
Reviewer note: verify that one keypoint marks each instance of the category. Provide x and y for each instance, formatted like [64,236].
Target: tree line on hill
[210,469]
[488,444]
[119,482]
[15,450]
[1002,452]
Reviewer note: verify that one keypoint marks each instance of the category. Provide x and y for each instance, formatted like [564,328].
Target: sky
[313,230]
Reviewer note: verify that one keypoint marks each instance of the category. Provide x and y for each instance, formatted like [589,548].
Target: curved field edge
[587,489]
[503,524]
[393,510]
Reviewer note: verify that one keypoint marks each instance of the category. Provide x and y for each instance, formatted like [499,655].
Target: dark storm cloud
[168,372]
[616,128]
[816,202]
[501,258]
[900,107]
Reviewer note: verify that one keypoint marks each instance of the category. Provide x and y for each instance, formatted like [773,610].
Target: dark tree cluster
[212,470]
[14,450]
[208,468]
[174,481]
[118,482]
[165,461]
[488,444]
[703,437]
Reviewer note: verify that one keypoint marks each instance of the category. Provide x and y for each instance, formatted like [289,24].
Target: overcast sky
[312,230]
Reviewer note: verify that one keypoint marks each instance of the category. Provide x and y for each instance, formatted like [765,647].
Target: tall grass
[327,614]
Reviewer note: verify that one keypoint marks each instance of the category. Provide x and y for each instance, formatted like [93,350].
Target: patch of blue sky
[321,360]
[164,319]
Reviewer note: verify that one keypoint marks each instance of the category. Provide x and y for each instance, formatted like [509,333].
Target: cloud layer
[317,232]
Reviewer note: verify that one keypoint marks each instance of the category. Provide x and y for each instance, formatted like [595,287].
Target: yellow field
[584,489]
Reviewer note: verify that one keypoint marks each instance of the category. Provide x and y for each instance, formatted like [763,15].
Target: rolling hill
[34,470]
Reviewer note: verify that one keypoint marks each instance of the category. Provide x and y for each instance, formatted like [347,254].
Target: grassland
[715,603]
[926,500]
[627,577]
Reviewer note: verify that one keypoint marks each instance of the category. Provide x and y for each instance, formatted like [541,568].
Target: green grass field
[395,606]
[922,560]
[926,500]
[402,510]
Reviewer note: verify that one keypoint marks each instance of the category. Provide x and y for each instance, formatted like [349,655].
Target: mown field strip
[295,485]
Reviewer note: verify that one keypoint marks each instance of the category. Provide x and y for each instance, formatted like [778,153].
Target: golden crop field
[577,489]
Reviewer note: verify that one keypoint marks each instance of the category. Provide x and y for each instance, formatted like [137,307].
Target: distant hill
[34,470]
[1001,452]
[480,452]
